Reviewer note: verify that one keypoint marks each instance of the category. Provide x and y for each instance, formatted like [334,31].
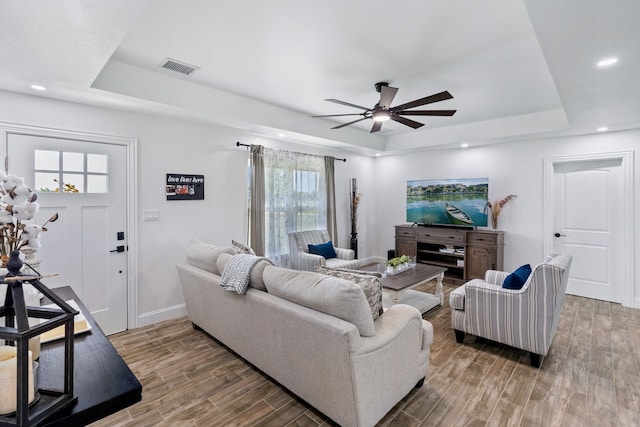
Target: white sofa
[353,379]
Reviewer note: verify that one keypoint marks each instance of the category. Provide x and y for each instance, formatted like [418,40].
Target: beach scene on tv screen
[448,201]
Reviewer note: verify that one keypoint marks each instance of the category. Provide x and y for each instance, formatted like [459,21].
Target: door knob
[560,235]
[118,249]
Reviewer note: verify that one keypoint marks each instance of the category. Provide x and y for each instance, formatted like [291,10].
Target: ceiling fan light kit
[381,116]
[383,111]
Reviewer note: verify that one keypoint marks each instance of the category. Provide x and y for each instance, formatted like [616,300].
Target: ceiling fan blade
[347,104]
[350,123]
[426,100]
[376,127]
[407,122]
[340,115]
[387,94]
[428,113]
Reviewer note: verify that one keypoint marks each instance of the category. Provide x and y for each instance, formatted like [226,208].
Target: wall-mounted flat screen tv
[461,202]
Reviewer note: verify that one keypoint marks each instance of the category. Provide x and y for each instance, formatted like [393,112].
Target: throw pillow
[370,282]
[325,249]
[517,279]
[240,248]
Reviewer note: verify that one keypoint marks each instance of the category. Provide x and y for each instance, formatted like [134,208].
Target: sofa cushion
[324,249]
[205,256]
[337,297]
[517,279]
[241,248]
[256,273]
[369,281]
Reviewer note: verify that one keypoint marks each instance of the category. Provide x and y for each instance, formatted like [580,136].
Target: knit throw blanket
[237,272]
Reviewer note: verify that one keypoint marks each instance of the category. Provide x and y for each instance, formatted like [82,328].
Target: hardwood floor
[590,378]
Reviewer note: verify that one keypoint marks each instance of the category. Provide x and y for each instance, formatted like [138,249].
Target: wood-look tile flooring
[590,378]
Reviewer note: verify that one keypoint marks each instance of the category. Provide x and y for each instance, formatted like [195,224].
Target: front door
[588,224]
[85,182]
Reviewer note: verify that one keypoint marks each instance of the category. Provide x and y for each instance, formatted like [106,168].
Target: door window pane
[97,163]
[48,160]
[47,181]
[97,184]
[73,183]
[73,162]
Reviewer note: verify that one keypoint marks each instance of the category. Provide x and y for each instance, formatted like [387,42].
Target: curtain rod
[239,144]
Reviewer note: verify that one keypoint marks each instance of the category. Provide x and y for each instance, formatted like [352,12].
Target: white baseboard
[167,313]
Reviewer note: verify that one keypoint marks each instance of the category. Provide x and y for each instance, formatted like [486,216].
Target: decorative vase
[15,263]
[31,298]
[31,261]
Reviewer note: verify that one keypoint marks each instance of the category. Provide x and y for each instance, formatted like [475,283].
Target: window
[70,172]
[295,199]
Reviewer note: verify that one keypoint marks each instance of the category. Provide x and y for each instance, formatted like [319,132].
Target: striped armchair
[526,318]
[301,259]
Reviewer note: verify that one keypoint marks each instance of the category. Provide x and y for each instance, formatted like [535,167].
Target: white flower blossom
[25,211]
[17,205]
[5,216]
[31,235]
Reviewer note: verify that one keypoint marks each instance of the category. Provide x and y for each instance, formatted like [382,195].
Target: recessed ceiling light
[464,145]
[607,61]
[378,154]
[38,87]
[602,129]
[281,135]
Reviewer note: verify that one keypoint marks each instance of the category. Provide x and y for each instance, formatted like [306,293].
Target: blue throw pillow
[516,279]
[324,249]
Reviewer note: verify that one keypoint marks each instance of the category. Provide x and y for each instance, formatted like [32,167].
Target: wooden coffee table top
[410,277]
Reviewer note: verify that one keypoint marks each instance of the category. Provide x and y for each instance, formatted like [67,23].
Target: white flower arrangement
[17,207]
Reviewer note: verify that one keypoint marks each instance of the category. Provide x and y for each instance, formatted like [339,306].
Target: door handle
[560,235]
[118,249]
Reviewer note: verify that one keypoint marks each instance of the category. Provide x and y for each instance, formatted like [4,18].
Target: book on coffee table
[80,324]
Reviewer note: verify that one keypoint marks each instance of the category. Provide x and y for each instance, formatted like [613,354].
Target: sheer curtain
[295,198]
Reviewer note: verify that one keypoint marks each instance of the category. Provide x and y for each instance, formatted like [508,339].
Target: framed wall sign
[181,186]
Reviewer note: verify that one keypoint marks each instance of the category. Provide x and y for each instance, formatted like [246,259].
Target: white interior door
[588,224]
[82,245]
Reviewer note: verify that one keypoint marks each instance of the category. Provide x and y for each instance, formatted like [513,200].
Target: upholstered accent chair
[525,318]
[301,259]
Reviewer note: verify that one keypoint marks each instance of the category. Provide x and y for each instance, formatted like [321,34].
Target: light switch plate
[151,215]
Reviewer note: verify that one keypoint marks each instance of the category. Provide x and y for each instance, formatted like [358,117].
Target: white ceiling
[517,69]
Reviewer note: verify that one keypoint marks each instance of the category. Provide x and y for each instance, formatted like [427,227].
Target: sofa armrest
[308,262]
[392,323]
[346,254]
[495,277]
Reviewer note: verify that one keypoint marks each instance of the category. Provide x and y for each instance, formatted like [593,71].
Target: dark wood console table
[103,382]
[467,254]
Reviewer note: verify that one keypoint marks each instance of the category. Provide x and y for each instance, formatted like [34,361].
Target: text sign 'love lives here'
[182,186]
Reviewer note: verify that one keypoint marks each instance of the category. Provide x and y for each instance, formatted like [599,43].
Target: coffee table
[399,287]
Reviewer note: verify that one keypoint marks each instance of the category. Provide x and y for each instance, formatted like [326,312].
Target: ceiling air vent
[180,67]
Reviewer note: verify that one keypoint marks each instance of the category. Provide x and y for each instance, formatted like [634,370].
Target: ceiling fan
[383,111]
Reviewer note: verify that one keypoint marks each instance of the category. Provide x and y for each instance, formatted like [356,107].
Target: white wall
[514,168]
[174,146]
